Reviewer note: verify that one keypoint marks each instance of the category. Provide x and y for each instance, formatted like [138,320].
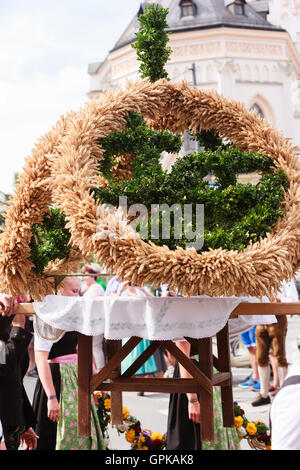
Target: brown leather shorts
[273,337]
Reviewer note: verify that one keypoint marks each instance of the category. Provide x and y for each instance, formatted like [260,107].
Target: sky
[45,49]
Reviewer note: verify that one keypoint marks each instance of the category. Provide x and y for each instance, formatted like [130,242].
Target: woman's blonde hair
[65,281]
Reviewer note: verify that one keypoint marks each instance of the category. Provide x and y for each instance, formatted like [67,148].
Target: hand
[95,371]
[123,287]
[29,439]
[53,410]
[194,412]
[19,320]
[171,294]
[8,305]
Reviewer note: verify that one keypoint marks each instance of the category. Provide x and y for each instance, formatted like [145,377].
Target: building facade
[247,51]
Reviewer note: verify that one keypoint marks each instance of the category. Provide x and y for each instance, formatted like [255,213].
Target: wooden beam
[114,362]
[154,345]
[222,378]
[224,365]
[204,349]
[116,397]
[244,308]
[159,385]
[203,380]
[264,308]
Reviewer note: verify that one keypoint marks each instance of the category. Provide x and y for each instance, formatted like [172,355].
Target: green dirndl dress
[67,435]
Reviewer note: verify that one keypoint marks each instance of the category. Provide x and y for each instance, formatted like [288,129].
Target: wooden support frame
[203,379]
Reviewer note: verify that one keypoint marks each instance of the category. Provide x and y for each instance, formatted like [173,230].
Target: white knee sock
[282,371]
[264,375]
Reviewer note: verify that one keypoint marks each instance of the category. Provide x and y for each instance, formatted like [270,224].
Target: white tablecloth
[154,318]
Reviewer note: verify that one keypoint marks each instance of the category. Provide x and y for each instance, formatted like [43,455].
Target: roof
[209,14]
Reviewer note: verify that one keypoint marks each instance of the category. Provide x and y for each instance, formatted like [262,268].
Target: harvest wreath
[63,169]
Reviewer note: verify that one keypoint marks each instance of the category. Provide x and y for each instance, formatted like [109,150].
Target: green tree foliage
[152,43]
[50,240]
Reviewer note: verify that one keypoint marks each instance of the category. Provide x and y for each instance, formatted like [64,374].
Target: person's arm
[2,443]
[2,446]
[43,367]
[146,291]
[194,405]
[8,305]
[83,290]
[15,347]
[122,288]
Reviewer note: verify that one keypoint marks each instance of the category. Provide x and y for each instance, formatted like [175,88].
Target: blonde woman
[55,397]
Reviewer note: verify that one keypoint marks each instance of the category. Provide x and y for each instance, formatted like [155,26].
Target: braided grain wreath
[67,172]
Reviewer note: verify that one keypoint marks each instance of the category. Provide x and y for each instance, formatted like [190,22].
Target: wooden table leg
[116,397]
[224,366]
[85,357]
[204,348]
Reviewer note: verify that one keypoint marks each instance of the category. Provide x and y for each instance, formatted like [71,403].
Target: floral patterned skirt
[225,438]
[67,436]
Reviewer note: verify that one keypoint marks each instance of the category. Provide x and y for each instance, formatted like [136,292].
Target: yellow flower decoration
[130,435]
[107,403]
[238,421]
[145,448]
[143,439]
[125,412]
[156,435]
[251,429]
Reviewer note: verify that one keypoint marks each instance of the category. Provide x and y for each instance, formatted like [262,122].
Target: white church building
[246,50]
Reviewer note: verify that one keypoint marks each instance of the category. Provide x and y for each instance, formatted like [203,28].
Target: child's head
[69,287]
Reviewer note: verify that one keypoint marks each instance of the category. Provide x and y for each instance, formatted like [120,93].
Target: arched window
[175,74]
[209,73]
[266,75]
[141,11]
[263,108]
[247,72]
[275,73]
[259,111]
[199,74]
[239,8]
[256,73]
[238,72]
[188,8]
[236,7]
